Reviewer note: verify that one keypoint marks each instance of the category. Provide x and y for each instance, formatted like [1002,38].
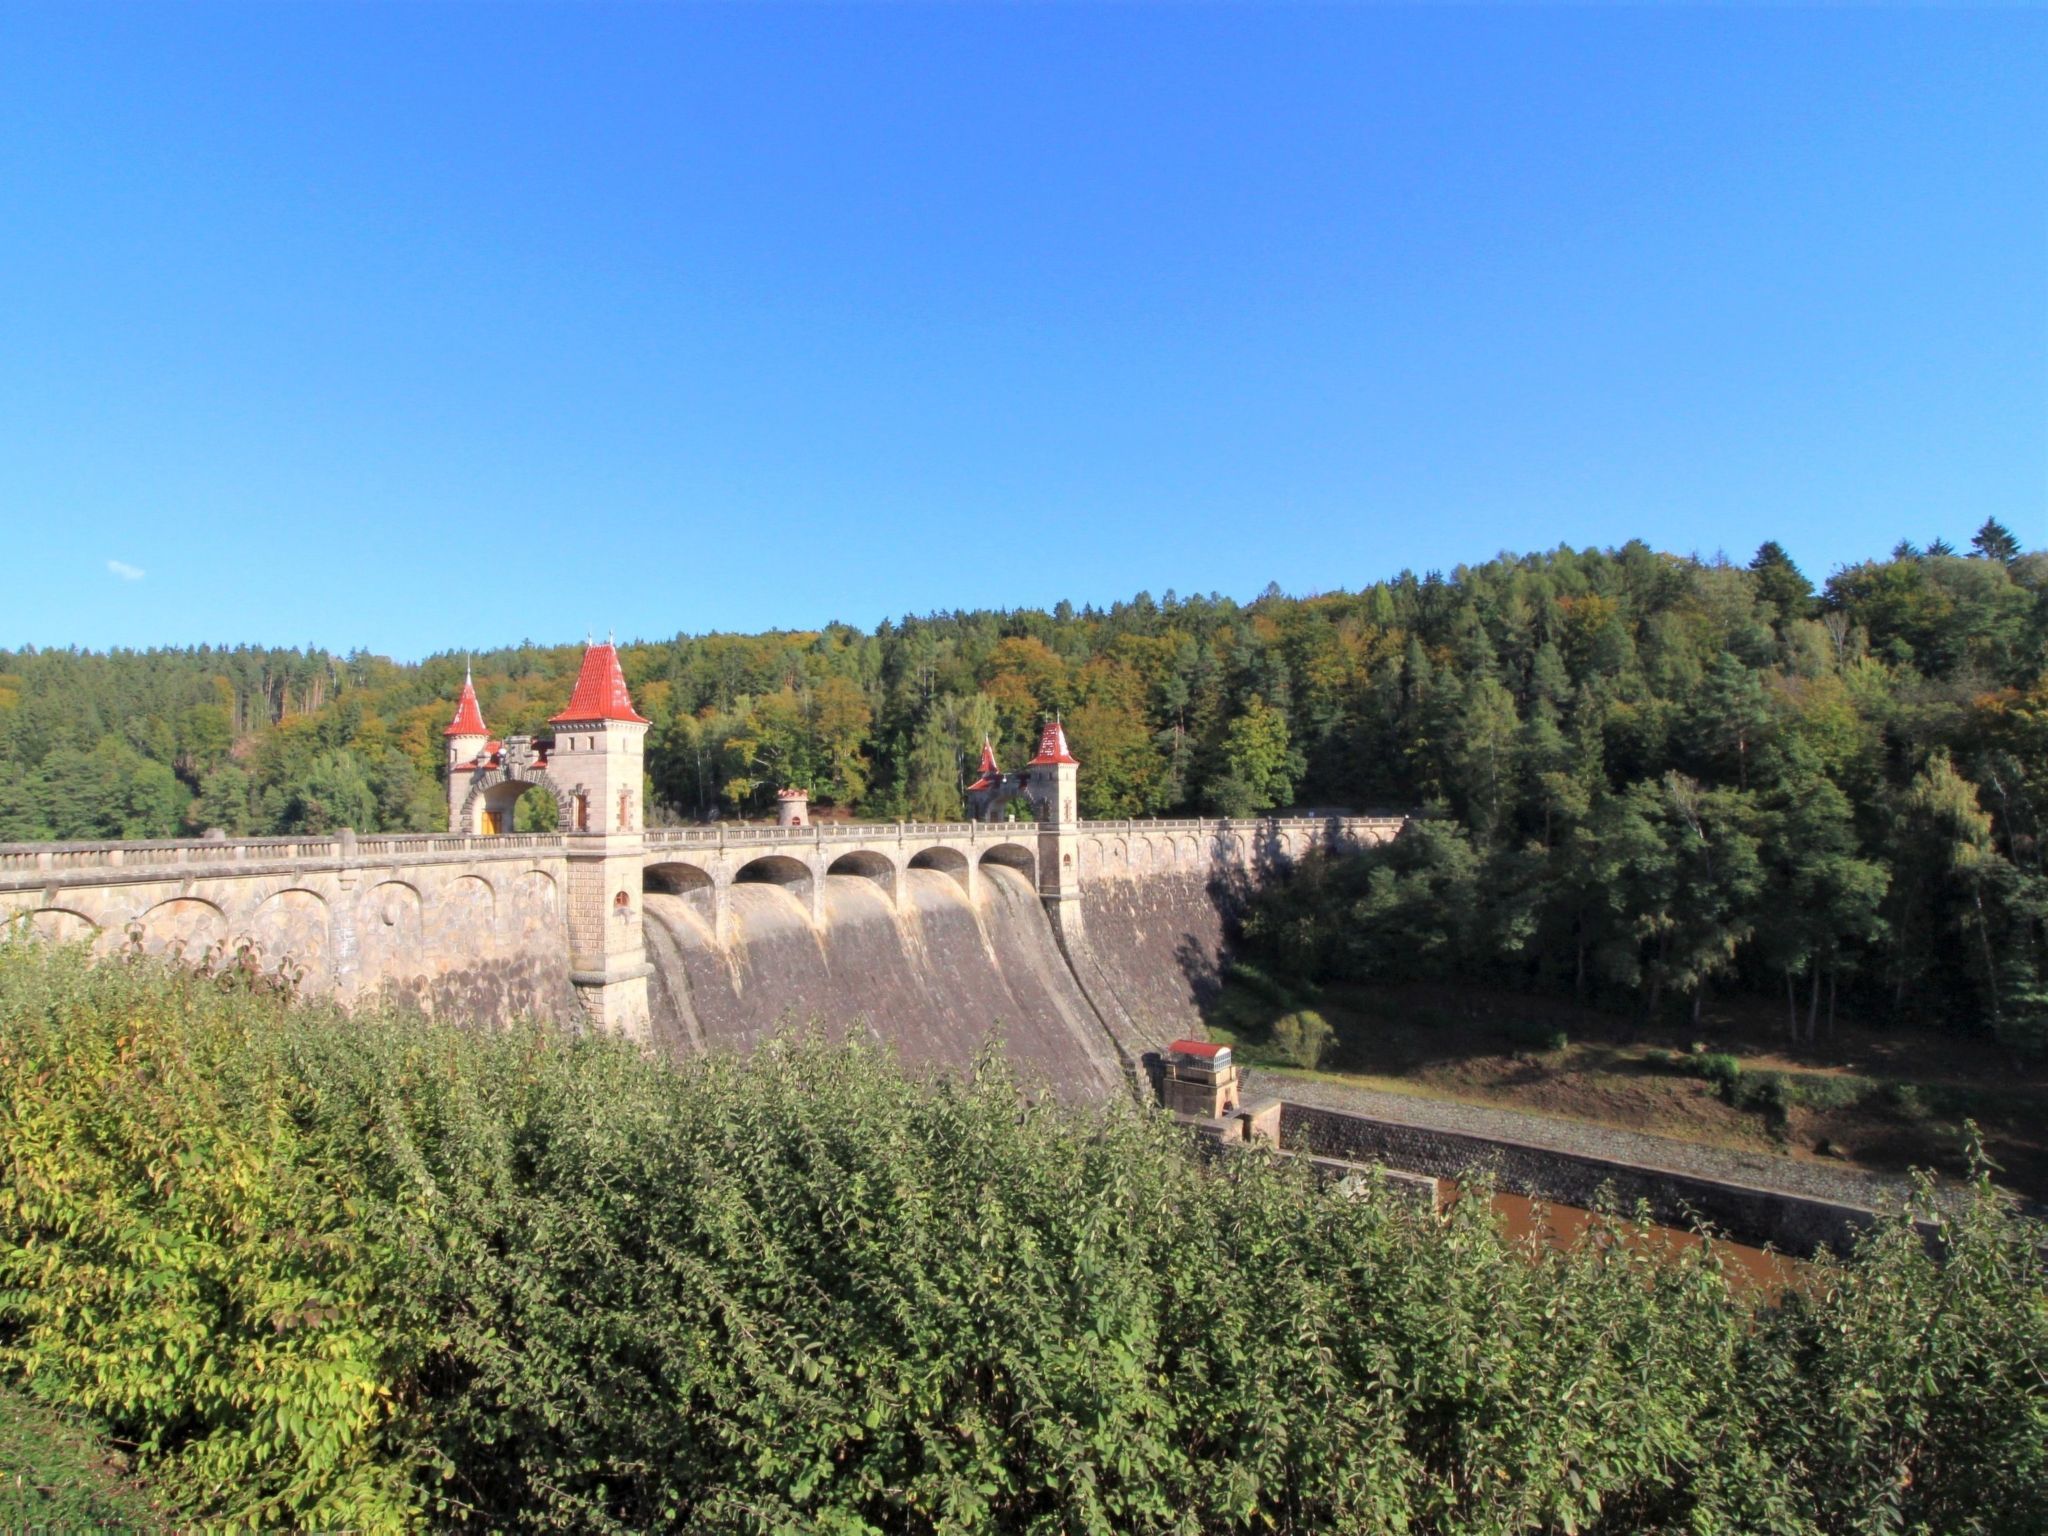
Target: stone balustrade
[30,865]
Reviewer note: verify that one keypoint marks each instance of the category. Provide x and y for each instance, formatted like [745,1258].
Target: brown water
[1561,1225]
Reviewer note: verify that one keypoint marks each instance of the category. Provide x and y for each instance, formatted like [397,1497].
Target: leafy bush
[1267,988]
[1828,1090]
[380,1271]
[182,1255]
[1722,1070]
[1535,1034]
[1909,1099]
[1303,1038]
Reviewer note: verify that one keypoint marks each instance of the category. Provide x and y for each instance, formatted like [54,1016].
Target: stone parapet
[1792,1223]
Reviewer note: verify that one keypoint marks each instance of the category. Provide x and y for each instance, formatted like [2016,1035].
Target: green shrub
[1909,1099]
[1304,1038]
[179,1257]
[1535,1034]
[378,1271]
[1828,1090]
[1722,1070]
[1267,988]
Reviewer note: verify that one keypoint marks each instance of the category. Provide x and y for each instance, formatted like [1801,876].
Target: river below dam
[1562,1225]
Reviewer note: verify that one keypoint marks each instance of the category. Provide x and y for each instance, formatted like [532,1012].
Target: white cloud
[125,571]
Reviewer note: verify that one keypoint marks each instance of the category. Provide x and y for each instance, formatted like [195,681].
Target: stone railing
[738,834]
[1244,824]
[31,864]
[28,864]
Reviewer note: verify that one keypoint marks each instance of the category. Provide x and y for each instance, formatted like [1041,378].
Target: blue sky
[420,327]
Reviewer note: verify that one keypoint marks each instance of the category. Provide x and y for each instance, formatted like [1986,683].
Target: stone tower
[597,758]
[467,739]
[1051,780]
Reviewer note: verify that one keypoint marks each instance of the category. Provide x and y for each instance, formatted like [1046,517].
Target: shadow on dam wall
[1156,945]
[933,980]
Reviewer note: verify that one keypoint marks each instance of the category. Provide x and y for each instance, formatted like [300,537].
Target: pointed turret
[1051,777]
[990,773]
[600,691]
[598,747]
[468,740]
[469,720]
[1052,747]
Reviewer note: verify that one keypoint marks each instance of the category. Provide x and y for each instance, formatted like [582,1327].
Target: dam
[1083,944]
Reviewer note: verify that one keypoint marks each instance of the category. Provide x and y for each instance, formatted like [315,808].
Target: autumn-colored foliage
[386,1273]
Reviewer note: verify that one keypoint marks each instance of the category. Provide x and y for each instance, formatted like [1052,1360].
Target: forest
[1642,775]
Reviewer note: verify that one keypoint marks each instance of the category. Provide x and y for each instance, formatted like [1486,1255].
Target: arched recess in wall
[392,933]
[466,916]
[189,925]
[535,914]
[1091,857]
[877,868]
[947,861]
[292,925]
[1014,856]
[53,925]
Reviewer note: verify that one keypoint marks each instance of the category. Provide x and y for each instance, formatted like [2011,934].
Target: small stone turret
[1052,782]
[1053,777]
[792,807]
[467,737]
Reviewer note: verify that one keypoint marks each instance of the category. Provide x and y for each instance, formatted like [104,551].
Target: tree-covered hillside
[1639,755]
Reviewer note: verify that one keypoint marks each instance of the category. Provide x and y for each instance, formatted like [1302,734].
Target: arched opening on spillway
[687,881]
[792,875]
[867,866]
[946,860]
[1014,856]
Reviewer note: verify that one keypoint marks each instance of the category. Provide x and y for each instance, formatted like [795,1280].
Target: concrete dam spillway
[933,977]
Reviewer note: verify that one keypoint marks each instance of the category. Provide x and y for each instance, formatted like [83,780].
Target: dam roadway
[1084,944]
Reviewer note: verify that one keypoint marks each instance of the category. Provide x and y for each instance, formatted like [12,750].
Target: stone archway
[486,784]
[990,804]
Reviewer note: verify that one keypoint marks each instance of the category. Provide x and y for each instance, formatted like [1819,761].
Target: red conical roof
[989,771]
[469,720]
[600,690]
[1052,747]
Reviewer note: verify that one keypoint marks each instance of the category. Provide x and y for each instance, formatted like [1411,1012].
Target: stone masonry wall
[1793,1224]
[454,929]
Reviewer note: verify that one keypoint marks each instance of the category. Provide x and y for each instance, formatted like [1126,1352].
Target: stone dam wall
[471,927]
[1157,949]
